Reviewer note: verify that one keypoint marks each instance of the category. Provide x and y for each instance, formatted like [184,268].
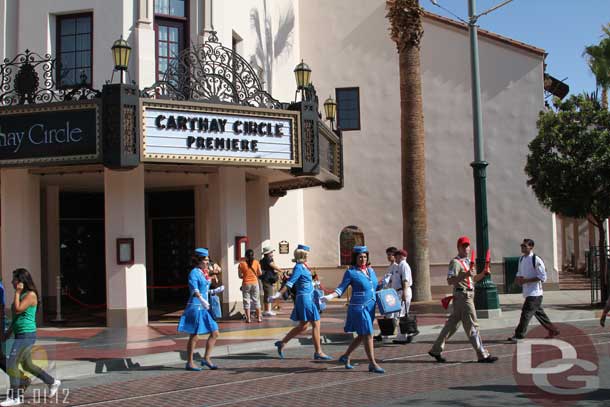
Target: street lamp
[330,109]
[121,50]
[302,74]
[486,294]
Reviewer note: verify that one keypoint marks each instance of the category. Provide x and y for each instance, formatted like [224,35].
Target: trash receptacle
[511,266]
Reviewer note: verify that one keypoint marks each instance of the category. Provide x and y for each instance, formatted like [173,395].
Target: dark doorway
[171,222]
[82,255]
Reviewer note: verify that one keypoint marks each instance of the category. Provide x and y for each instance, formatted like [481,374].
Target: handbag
[317,295]
[387,301]
[408,324]
[386,326]
[215,308]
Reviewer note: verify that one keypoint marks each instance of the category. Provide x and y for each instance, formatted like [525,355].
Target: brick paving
[261,379]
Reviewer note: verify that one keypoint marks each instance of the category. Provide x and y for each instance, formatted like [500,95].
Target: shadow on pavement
[121,365]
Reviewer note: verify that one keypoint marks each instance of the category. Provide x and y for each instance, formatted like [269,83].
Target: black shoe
[410,339]
[378,338]
[514,339]
[438,358]
[399,342]
[488,359]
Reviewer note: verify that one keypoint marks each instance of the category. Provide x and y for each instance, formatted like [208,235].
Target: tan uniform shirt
[460,265]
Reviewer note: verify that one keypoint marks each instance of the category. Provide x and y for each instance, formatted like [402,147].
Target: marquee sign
[198,132]
[51,134]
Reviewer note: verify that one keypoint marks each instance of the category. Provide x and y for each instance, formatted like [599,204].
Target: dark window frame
[337,91]
[58,19]
[172,21]
[356,236]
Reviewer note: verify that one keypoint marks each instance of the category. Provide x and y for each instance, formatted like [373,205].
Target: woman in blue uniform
[196,319]
[361,310]
[305,310]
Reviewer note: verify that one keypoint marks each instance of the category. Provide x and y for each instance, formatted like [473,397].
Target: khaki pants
[463,312]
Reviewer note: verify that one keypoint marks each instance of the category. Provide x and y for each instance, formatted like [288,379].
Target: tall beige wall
[20,232]
[361,54]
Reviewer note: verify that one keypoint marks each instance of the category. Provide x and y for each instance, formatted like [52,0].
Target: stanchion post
[58,317]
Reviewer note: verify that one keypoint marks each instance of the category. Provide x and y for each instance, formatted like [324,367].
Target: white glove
[218,290]
[205,304]
[274,297]
[328,297]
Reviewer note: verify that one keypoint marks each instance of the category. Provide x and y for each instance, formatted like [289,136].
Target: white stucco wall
[361,54]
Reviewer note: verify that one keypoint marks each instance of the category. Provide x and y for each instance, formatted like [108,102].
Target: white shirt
[385,281]
[401,273]
[527,270]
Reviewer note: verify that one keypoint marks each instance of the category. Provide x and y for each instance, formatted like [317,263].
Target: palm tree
[269,47]
[598,59]
[406,30]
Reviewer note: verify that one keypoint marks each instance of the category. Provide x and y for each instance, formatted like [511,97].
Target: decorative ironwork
[29,78]
[129,129]
[212,73]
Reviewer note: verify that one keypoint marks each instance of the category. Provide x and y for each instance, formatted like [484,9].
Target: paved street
[261,379]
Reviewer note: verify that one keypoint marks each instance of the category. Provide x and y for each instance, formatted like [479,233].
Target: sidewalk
[81,352]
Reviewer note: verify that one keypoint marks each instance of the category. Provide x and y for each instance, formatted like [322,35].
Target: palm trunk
[605,97]
[406,31]
[413,172]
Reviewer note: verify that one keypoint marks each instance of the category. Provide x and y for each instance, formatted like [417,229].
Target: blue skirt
[305,309]
[196,320]
[360,318]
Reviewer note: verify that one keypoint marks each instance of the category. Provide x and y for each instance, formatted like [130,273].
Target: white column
[145,45]
[555,250]
[576,230]
[124,218]
[20,232]
[228,190]
[258,213]
[52,250]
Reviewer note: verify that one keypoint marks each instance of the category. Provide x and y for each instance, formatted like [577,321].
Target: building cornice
[486,34]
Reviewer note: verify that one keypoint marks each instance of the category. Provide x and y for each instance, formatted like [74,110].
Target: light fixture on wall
[121,50]
[302,74]
[330,109]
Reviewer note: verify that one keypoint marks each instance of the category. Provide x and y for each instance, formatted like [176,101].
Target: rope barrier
[82,304]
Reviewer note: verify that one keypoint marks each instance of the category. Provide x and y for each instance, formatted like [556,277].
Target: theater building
[207,140]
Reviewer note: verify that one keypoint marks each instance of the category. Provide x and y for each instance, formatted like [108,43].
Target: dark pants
[21,353]
[533,307]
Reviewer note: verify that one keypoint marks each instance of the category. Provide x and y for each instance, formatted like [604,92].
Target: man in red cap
[462,276]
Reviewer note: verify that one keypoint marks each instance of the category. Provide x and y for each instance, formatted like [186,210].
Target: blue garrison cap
[360,249]
[303,247]
[202,251]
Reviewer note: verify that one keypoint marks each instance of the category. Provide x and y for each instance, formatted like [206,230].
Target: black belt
[460,289]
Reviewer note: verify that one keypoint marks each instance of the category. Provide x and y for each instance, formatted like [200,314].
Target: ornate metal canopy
[212,73]
[29,78]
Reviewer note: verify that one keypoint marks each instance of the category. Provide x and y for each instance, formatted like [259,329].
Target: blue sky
[561,27]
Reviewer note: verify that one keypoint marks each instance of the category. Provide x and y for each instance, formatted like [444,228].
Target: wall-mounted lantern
[121,50]
[330,109]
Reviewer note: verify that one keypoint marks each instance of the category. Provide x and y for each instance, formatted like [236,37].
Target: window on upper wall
[348,108]
[350,236]
[171,32]
[74,50]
